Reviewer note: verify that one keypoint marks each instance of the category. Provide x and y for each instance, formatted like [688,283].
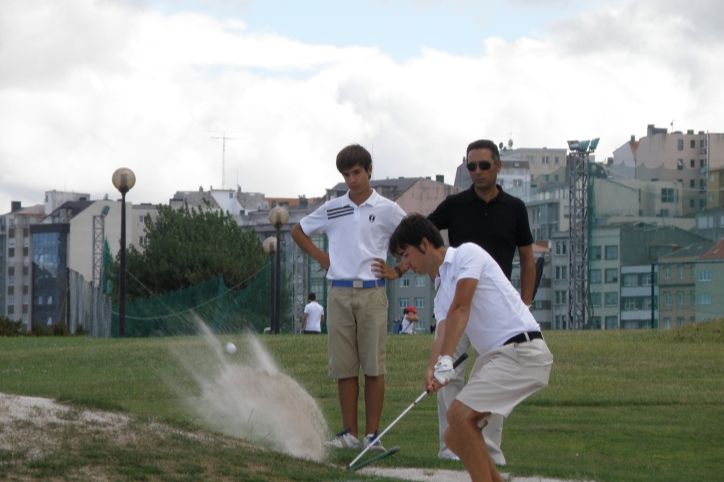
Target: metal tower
[577,163]
[299,286]
[99,236]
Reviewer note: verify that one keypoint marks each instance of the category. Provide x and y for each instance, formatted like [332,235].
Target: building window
[680,298]
[667,298]
[419,303]
[692,203]
[556,160]
[595,253]
[595,276]
[646,279]
[646,303]
[705,299]
[546,160]
[704,276]
[611,299]
[667,272]
[680,164]
[680,144]
[692,182]
[681,272]
[595,299]
[561,297]
[143,240]
[611,252]
[693,298]
[702,162]
[693,144]
[403,303]
[561,247]
[630,303]
[667,195]
[561,272]
[419,281]
[404,282]
[612,275]
[667,322]
[630,280]
[611,322]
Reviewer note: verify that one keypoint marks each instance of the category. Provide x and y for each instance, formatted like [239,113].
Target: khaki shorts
[357,328]
[505,376]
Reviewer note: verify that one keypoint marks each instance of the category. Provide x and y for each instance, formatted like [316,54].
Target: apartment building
[680,157]
[44,241]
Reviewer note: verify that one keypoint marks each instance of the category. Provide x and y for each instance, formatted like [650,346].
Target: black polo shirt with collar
[498,226]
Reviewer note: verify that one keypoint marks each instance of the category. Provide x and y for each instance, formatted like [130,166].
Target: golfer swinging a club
[475,297]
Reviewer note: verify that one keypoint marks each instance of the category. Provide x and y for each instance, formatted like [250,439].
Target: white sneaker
[343,440]
[376,444]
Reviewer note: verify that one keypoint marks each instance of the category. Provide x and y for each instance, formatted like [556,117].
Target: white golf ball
[230,348]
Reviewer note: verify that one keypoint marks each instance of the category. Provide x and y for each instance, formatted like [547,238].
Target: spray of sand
[247,396]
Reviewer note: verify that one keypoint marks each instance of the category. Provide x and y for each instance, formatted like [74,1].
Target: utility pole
[223,138]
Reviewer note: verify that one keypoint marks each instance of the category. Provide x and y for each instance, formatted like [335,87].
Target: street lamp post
[270,248]
[123,179]
[278,216]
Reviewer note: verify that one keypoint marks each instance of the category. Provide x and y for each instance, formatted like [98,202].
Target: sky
[89,86]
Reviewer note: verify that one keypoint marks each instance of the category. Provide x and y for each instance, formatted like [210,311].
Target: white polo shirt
[314,313]
[497,312]
[357,234]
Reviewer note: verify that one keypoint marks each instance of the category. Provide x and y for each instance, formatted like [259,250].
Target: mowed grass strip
[621,406]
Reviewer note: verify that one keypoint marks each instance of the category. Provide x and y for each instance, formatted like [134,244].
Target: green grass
[621,406]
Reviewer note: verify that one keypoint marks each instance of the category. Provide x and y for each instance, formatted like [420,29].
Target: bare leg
[348,392]
[374,400]
[464,438]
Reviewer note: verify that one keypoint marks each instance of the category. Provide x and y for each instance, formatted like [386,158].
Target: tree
[186,247]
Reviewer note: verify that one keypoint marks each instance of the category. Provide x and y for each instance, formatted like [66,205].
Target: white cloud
[95,86]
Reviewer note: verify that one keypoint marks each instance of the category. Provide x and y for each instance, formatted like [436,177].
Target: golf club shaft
[462,358]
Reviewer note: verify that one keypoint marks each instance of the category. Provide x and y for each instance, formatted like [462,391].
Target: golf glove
[444,370]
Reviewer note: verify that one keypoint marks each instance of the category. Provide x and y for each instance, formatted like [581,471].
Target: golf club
[393,450]
[462,358]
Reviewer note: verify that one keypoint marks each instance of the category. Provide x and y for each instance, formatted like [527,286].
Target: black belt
[525,336]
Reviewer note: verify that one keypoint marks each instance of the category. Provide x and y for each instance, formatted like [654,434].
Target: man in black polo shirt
[498,222]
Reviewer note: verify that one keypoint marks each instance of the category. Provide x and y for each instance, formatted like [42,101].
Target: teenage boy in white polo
[474,297]
[358,226]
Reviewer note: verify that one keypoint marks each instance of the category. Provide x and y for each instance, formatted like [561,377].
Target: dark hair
[312,297]
[411,231]
[353,155]
[484,144]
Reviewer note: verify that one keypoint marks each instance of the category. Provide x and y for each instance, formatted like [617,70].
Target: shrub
[9,327]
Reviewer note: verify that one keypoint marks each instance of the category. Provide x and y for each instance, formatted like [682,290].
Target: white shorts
[505,376]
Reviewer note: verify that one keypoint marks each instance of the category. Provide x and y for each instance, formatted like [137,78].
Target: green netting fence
[222,309]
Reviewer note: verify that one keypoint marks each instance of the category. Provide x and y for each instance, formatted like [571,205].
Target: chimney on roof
[15,206]
[690,131]
[633,138]
[440,178]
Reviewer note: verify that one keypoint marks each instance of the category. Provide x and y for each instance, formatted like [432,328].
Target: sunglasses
[483,165]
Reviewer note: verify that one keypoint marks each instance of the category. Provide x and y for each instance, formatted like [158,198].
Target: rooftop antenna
[223,138]
[672,125]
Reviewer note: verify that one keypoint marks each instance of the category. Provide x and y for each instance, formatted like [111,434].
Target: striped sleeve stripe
[339,212]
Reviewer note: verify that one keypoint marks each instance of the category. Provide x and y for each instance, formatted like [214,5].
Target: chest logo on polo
[372,218]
